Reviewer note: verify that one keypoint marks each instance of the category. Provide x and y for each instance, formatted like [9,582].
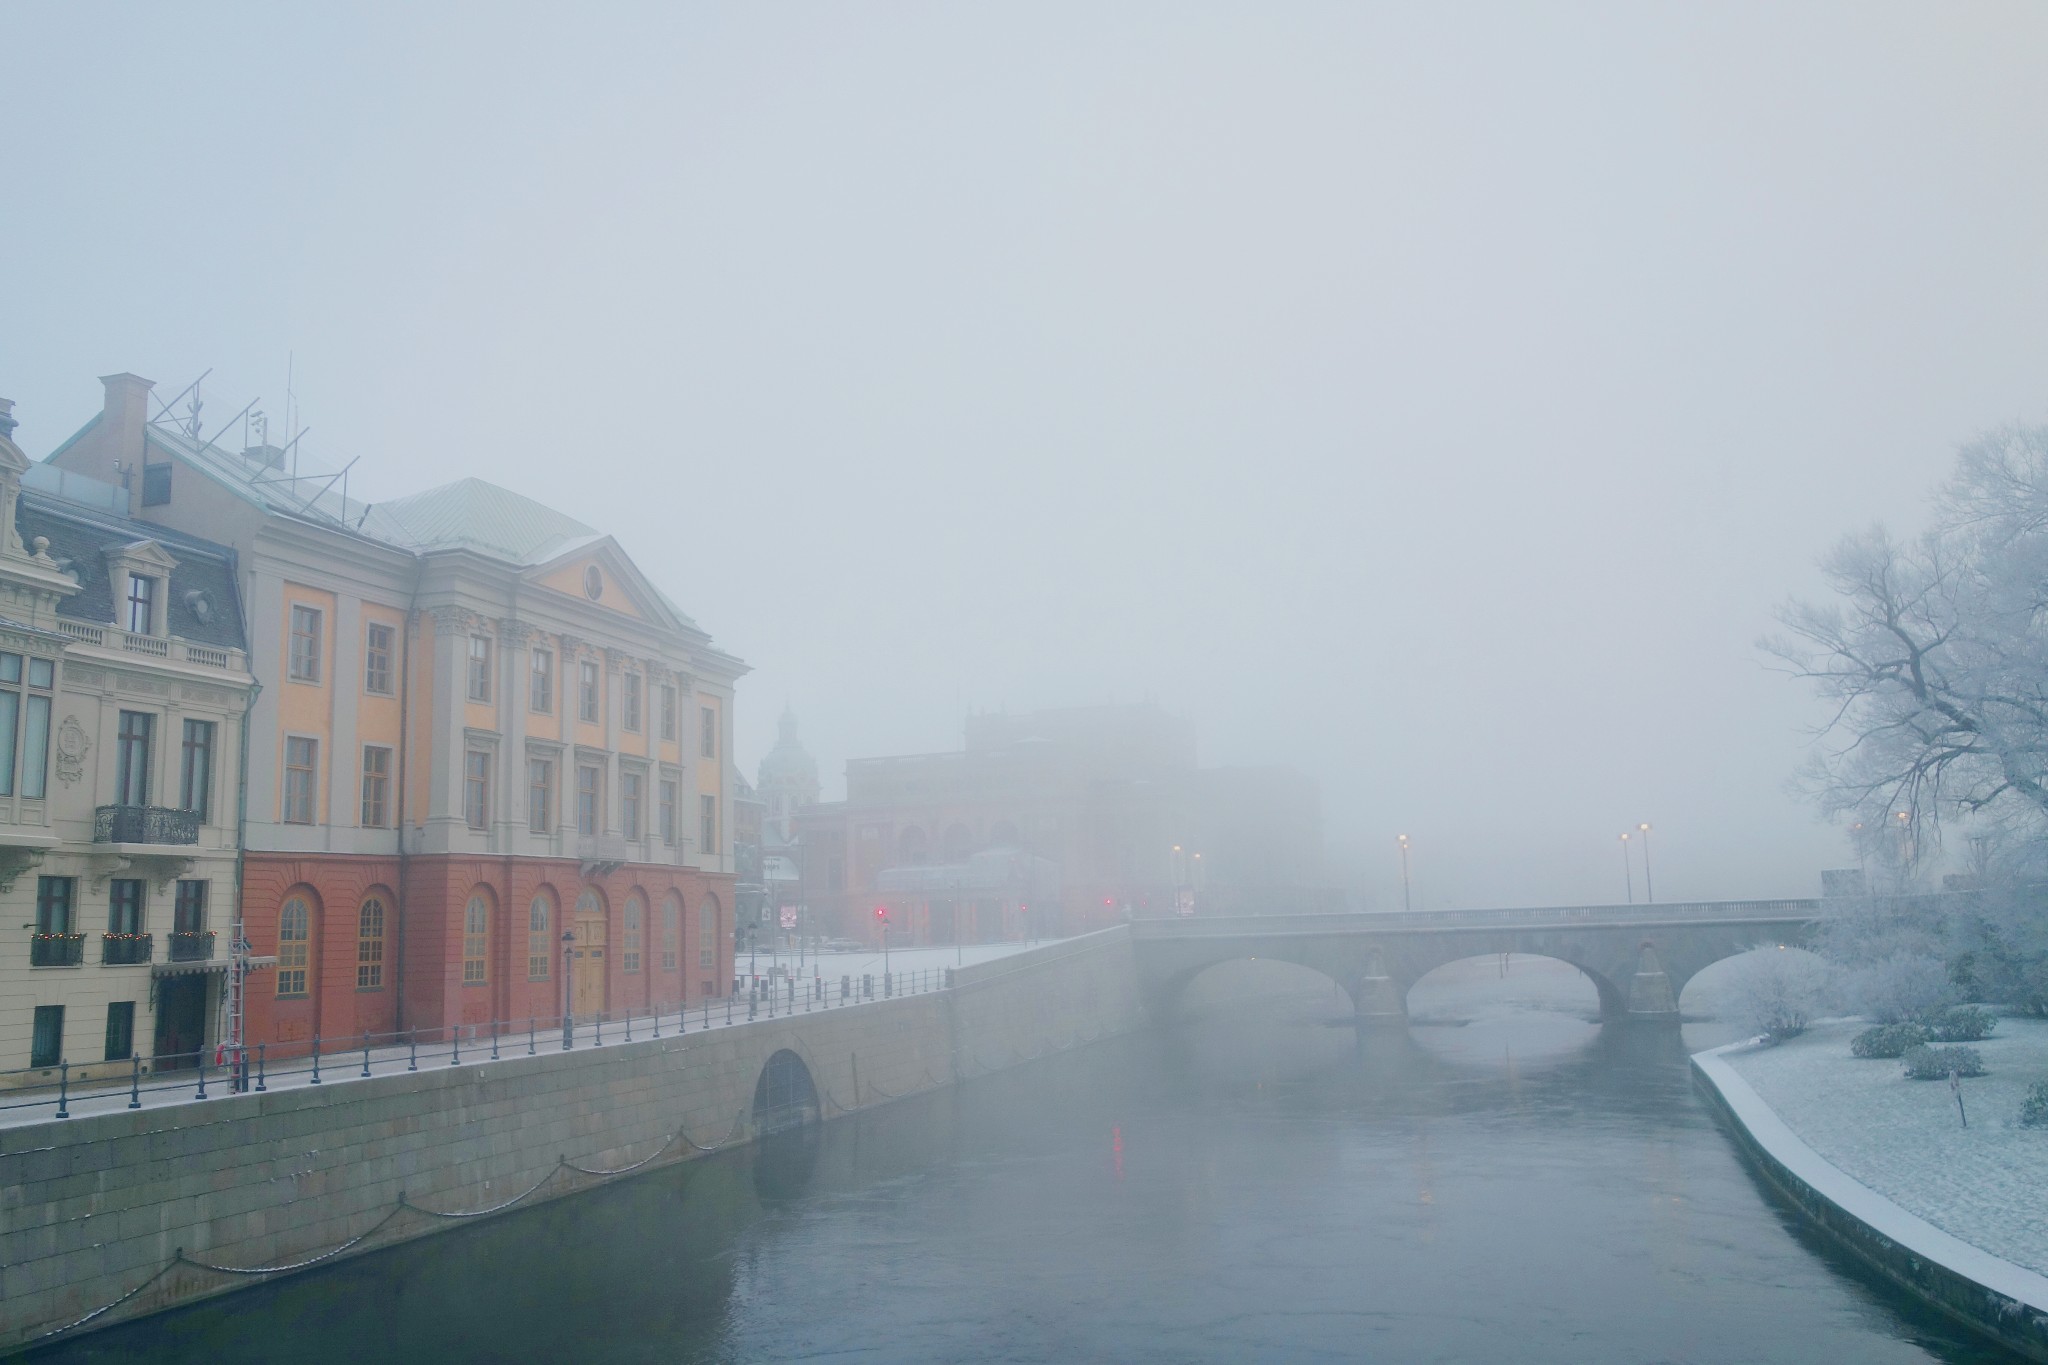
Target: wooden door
[589,950]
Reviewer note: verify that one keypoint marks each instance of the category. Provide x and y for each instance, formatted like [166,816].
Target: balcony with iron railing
[192,945]
[126,950]
[144,825]
[56,950]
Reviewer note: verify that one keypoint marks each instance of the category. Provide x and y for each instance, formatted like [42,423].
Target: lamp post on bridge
[1649,890]
[1407,906]
[1628,869]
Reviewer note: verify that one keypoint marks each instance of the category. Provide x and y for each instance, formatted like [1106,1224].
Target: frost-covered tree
[1777,990]
[1933,656]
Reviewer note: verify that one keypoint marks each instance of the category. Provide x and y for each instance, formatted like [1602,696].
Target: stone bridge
[1638,956]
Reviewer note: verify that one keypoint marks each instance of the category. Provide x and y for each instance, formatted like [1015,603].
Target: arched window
[671,932]
[294,946]
[707,932]
[540,950]
[476,933]
[370,945]
[635,914]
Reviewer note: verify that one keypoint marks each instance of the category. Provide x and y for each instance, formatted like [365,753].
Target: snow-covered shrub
[1961,1024]
[1887,1040]
[1902,988]
[1924,1063]
[1777,992]
[2034,1109]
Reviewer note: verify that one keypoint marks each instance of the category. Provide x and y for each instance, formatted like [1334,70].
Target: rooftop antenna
[291,408]
[164,408]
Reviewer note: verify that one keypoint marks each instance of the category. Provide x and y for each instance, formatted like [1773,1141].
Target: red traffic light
[882,913]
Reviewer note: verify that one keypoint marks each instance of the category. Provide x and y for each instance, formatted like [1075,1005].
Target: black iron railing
[192,945]
[125,950]
[56,950]
[144,825]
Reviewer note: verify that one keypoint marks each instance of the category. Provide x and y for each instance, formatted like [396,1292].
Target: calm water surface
[1505,1181]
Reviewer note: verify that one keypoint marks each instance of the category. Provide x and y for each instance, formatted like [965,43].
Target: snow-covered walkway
[1983,1185]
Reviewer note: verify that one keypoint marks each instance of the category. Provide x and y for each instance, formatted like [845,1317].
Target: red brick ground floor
[365,947]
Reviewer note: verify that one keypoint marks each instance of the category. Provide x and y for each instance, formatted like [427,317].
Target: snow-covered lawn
[1984,1184]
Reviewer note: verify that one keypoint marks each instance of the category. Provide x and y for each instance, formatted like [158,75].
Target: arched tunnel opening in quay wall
[785,1096]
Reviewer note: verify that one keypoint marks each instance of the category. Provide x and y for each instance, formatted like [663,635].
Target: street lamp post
[568,984]
[1628,870]
[1649,889]
[1407,904]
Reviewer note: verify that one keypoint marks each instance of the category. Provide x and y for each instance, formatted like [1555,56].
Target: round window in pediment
[593,582]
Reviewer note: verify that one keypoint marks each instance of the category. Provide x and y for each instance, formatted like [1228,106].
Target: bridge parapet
[1674,912]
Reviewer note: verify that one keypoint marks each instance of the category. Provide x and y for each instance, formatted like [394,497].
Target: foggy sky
[1437,399]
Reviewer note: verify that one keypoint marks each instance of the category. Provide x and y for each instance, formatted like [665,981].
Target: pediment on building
[598,573]
[146,556]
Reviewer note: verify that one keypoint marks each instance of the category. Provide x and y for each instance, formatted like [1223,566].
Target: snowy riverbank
[1903,1140]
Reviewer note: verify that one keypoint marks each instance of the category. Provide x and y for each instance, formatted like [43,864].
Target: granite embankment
[112,1215]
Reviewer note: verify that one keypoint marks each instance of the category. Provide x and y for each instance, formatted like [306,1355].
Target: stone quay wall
[1987,1293]
[107,1217]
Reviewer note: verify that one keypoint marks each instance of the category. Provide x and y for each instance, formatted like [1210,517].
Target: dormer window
[142,594]
[139,580]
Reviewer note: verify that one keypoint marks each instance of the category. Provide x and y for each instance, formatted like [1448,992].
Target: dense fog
[1439,401]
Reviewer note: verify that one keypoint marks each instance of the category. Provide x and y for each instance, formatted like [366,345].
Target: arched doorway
[588,983]
[784,1096]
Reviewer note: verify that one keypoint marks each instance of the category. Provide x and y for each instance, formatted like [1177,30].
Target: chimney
[121,431]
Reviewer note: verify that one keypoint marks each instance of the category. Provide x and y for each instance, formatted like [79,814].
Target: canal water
[1504,1181]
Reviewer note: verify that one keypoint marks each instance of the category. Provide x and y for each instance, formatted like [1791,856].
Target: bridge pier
[1650,997]
[1378,998]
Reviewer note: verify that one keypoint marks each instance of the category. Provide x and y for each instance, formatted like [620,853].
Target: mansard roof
[202,582]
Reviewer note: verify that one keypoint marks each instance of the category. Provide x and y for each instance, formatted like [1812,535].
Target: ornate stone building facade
[123,686]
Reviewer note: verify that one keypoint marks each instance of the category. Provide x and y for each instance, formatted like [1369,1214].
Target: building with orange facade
[487,773]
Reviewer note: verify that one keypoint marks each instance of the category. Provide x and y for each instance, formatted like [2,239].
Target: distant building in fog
[1057,822]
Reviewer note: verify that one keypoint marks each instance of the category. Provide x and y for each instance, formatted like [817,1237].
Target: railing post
[366,1054]
[63,1089]
[532,1032]
[455,1051]
[316,1064]
[728,1009]
[135,1081]
[657,1021]
[261,1049]
[494,1040]
[629,1025]
[412,1048]
[597,1039]
[202,1075]
[682,1016]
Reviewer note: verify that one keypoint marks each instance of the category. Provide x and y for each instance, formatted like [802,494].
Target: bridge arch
[1410,961]
[1568,987]
[1170,997]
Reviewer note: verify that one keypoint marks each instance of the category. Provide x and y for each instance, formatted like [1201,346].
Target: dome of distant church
[789,770]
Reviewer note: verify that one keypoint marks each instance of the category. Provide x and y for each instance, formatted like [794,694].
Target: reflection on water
[1253,1185]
